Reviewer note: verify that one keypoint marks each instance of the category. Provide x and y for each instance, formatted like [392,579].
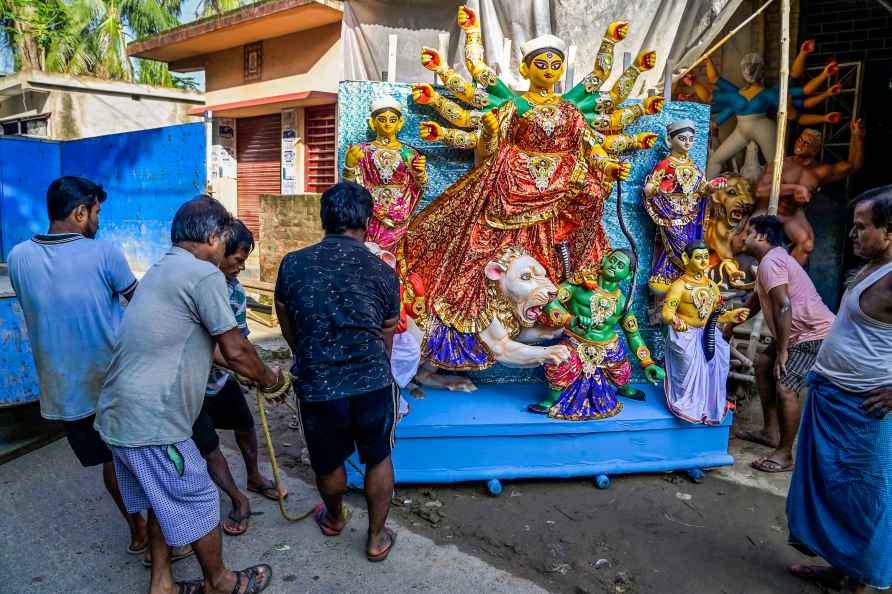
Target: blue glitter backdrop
[446,165]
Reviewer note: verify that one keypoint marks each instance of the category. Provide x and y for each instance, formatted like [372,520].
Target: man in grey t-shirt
[154,390]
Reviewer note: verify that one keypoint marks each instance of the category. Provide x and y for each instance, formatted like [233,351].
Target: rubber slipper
[770,466]
[133,551]
[253,573]
[269,491]
[377,558]
[238,518]
[192,587]
[319,513]
[176,554]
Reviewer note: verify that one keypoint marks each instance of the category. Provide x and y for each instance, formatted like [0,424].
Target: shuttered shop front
[259,148]
[319,169]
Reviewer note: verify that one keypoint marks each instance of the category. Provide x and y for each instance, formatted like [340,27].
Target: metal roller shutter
[319,168]
[259,154]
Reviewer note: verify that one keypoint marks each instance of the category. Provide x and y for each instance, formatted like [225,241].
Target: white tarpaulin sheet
[679,30]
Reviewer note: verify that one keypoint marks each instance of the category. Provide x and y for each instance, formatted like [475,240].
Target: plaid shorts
[187,506]
[802,357]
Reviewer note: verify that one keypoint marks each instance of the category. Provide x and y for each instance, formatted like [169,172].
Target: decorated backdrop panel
[446,165]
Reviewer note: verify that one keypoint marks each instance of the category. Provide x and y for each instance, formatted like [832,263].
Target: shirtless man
[802,176]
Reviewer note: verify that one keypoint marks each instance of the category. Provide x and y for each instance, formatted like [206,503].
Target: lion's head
[523,282]
[731,206]
[737,200]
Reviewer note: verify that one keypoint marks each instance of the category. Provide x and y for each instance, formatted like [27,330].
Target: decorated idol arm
[603,62]
[452,112]
[615,144]
[653,371]
[352,158]
[613,169]
[455,82]
[625,116]
[669,313]
[735,316]
[460,139]
[474,50]
[623,86]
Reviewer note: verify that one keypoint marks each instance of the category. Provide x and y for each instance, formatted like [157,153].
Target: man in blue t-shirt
[69,286]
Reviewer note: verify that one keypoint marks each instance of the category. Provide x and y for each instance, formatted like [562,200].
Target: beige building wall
[304,61]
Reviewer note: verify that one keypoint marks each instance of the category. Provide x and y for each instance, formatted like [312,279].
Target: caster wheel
[602,481]
[494,487]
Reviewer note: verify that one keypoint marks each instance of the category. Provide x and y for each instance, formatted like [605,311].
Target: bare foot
[759,437]
[827,577]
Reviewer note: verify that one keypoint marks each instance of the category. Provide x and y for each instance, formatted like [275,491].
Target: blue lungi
[839,502]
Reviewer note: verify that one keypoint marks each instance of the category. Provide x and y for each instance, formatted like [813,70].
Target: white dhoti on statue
[404,362]
[696,390]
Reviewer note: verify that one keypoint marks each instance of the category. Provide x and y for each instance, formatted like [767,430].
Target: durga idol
[543,177]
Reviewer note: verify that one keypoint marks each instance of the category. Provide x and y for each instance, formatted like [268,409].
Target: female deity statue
[394,173]
[697,356]
[676,196]
[543,176]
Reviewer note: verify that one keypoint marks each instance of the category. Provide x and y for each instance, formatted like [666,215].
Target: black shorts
[86,442]
[334,429]
[228,410]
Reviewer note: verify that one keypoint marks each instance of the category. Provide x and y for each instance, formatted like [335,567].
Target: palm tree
[208,8]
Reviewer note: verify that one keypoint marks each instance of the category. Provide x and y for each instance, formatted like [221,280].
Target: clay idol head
[680,136]
[543,60]
[387,117]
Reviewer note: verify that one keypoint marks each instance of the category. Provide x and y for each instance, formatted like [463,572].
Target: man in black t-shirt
[338,306]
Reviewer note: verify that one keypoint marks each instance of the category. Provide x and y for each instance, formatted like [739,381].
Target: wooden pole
[784,75]
[724,40]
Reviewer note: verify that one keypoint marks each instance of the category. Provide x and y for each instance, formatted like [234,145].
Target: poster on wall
[223,160]
[289,152]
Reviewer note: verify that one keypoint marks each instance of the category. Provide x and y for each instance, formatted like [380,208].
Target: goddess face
[544,69]
[386,124]
[697,262]
[752,68]
[682,142]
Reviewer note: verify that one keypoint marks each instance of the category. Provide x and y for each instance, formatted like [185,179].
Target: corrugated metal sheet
[259,154]
[319,165]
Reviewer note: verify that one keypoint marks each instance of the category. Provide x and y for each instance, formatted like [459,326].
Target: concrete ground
[61,533]
[649,533]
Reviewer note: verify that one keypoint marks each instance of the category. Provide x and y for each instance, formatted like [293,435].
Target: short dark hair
[199,219]
[67,193]
[697,244]
[880,200]
[346,205]
[240,238]
[771,227]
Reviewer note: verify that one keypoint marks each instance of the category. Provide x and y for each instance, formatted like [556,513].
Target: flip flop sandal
[770,466]
[269,491]
[237,518]
[133,551]
[377,558]
[252,573]
[193,587]
[174,557]
[319,513]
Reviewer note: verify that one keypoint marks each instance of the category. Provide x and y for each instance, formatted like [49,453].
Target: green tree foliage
[89,37]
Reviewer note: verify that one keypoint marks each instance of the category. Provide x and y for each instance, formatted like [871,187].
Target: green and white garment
[238,301]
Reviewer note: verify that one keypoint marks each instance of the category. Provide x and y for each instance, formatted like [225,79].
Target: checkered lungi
[187,506]
[802,357]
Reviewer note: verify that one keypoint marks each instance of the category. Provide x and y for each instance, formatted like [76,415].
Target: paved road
[61,533]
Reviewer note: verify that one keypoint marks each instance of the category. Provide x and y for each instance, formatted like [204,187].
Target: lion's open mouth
[736,215]
[532,313]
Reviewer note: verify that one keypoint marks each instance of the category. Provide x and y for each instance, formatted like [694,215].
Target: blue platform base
[488,435]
